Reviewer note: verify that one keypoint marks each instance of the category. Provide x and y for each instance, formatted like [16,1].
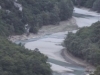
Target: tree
[54,16]
[97,72]
[96,5]
[85,43]
[66,9]
[16,60]
[35,13]
[89,3]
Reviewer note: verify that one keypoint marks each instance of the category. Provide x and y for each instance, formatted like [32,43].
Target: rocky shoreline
[68,25]
[74,60]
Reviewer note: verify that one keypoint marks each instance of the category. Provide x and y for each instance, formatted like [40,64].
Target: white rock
[18,6]
[0,7]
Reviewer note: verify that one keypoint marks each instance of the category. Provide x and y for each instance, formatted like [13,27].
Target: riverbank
[74,60]
[50,46]
[68,25]
[50,29]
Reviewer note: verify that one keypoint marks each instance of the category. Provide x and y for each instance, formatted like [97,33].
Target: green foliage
[16,60]
[89,3]
[66,6]
[96,5]
[97,72]
[35,13]
[85,43]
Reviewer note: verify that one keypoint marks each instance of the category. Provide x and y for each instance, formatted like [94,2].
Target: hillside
[16,60]
[85,43]
[15,14]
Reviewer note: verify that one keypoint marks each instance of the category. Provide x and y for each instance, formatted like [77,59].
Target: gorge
[50,45]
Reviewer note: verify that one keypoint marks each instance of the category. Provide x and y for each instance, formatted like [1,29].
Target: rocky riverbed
[49,29]
[49,40]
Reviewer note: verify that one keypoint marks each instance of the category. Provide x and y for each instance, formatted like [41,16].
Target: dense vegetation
[35,13]
[14,15]
[97,72]
[93,4]
[16,60]
[85,43]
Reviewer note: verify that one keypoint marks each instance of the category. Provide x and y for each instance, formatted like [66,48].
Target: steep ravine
[50,44]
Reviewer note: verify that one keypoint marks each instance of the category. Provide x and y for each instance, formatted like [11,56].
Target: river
[50,45]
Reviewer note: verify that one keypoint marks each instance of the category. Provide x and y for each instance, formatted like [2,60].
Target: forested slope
[93,4]
[85,43]
[16,60]
[15,14]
